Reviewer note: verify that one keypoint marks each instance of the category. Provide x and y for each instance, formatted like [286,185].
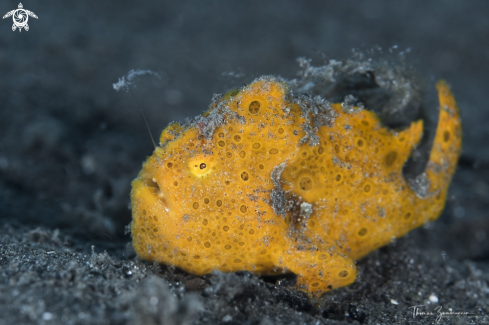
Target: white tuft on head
[127,81]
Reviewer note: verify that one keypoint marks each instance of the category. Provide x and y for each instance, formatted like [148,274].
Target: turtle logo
[20,17]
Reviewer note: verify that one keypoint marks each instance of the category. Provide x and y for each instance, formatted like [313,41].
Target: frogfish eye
[201,165]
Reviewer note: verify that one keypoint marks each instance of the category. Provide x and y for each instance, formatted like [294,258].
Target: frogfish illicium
[271,183]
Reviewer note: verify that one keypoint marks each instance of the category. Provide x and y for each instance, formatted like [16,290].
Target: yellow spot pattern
[205,203]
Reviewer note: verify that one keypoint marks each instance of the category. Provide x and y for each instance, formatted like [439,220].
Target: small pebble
[195,284]
[433,298]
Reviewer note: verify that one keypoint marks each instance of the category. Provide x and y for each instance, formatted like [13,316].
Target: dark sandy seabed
[70,146]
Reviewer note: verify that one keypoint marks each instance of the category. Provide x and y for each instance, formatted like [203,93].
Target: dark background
[70,144]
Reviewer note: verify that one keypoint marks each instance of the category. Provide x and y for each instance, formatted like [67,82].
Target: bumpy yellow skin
[205,204]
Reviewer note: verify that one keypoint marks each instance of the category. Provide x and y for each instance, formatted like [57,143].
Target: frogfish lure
[269,183]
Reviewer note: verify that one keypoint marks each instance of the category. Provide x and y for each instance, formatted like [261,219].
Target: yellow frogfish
[268,183]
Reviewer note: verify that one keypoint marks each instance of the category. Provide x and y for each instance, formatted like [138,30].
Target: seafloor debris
[270,181]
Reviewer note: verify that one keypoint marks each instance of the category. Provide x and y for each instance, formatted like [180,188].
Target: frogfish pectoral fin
[318,271]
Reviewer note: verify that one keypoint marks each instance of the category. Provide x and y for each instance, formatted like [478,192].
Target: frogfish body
[269,183]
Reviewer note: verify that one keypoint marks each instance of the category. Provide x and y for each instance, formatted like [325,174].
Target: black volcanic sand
[70,145]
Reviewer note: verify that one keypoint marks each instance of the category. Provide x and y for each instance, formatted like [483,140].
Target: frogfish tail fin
[444,153]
